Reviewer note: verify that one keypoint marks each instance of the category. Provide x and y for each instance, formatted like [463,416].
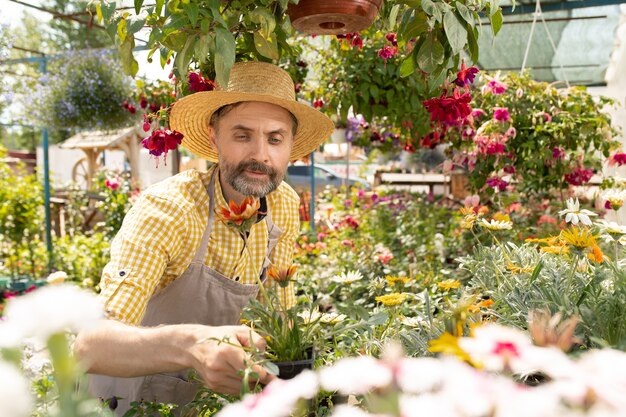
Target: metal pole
[46,181]
[312,205]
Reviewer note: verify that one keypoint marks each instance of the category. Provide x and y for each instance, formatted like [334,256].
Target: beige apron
[201,295]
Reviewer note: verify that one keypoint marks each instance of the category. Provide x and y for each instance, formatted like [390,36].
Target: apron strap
[204,242]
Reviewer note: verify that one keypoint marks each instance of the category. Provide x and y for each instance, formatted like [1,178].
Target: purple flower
[501,114]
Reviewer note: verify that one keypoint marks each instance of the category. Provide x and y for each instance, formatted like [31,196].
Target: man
[178,277]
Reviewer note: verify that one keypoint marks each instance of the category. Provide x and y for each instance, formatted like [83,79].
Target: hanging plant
[83,90]
[200,31]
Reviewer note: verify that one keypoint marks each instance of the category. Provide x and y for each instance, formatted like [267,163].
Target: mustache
[257,167]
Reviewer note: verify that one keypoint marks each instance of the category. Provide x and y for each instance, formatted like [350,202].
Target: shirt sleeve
[151,235]
[288,220]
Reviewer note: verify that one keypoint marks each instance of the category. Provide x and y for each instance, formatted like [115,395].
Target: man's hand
[218,356]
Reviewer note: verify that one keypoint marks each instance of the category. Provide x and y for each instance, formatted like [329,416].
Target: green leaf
[159,7]
[432,9]
[393,17]
[378,318]
[183,58]
[202,49]
[192,11]
[374,91]
[464,12]
[472,44]
[204,26]
[214,5]
[99,13]
[496,22]
[265,18]
[138,4]
[407,67]
[224,55]
[455,32]
[165,54]
[108,10]
[430,55]
[417,26]
[129,63]
[134,24]
[267,47]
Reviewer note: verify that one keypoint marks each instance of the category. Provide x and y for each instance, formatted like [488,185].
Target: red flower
[465,76]
[501,114]
[579,176]
[497,183]
[449,110]
[241,217]
[198,83]
[318,104]
[154,107]
[162,141]
[391,37]
[143,103]
[387,52]
[558,153]
[132,109]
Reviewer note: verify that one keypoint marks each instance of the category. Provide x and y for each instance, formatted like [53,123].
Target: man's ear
[212,137]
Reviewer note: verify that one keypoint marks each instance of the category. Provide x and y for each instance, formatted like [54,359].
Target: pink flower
[579,176]
[465,76]
[511,132]
[545,218]
[497,183]
[558,153]
[387,52]
[495,148]
[347,242]
[546,117]
[113,183]
[519,93]
[618,159]
[471,201]
[501,114]
[478,112]
[509,169]
[494,87]
[391,37]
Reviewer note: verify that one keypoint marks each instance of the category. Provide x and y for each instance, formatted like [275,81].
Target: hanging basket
[332,17]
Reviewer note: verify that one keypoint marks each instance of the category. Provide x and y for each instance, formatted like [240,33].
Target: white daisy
[574,215]
[496,224]
[612,228]
[347,278]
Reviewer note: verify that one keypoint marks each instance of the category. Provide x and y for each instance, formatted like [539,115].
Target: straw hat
[249,81]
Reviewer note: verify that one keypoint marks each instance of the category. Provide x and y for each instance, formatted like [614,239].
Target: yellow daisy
[392,299]
[449,284]
[578,237]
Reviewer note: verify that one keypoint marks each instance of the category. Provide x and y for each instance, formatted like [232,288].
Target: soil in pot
[289,369]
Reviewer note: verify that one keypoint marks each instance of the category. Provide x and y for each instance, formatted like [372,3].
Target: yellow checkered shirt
[161,234]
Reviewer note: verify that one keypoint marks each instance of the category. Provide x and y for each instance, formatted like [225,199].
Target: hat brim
[191,114]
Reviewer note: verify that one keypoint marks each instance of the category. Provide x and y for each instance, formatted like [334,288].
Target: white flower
[278,398]
[356,375]
[49,310]
[496,224]
[15,396]
[344,410]
[347,278]
[615,197]
[413,321]
[573,213]
[327,318]
[57,277]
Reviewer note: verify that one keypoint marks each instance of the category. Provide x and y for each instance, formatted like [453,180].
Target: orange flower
[596,254]
[242,216]
[282,276]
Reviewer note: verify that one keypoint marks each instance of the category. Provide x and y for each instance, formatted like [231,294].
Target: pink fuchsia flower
[478,113]
[321,236]
[391,37]
[519,93]
[465,76]
[618,159]
[198,83]
[558,153]
[353,38]
[579,176]
[318,103]
[387,52]
[113,183]
[546,118]
[501,114]
[494,86]
[449,110]
[497,183]
[143,103]
[468,133]
[348,243]
[472,201]
[511,132]
[162,141]
[495,148]
[509,169]
[146,126]
[546,219]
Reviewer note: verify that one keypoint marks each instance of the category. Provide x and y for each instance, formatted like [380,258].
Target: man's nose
[260,152]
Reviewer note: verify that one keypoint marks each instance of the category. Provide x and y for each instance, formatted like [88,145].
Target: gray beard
[234,176]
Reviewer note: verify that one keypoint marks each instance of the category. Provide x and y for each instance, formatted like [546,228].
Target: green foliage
[197,31]
[83,90]
[82,257]
[545,119]
[64,34]
[21,216]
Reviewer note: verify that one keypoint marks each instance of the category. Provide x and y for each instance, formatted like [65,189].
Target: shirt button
[122,273]
[237,278]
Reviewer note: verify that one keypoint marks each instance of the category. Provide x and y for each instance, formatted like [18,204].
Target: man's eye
[275,140]
[241,137]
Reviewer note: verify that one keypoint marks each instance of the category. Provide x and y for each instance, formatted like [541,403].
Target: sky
[11,14]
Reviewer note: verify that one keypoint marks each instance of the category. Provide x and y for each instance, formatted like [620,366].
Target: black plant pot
[290,369]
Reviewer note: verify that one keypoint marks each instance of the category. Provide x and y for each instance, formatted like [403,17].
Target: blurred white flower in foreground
[15,396]
[49,310]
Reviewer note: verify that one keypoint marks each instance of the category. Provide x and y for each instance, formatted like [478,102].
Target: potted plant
[330,17]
